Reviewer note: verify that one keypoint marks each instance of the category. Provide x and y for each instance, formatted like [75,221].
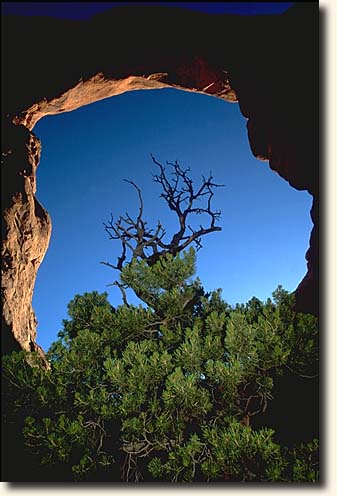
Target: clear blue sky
[87,153]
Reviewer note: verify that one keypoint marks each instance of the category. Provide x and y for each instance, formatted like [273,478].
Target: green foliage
[169,273]
[165,391]
[89,311]
[239,453]
[305,467]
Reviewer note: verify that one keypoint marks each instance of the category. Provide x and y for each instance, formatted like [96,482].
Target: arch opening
[85,65]
[80,190]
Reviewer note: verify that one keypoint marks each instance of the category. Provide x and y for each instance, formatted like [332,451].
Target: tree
[146,399]
[183,199]
[167,390]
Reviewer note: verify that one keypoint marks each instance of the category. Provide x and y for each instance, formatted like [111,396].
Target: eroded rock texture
[26,230]
[266,63]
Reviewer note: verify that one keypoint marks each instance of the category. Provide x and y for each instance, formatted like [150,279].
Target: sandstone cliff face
[260,62]
[26,234]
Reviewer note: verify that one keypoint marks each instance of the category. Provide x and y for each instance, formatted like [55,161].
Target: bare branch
[122,289]
[180,195]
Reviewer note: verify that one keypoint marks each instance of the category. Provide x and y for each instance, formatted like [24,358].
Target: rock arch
[268,64]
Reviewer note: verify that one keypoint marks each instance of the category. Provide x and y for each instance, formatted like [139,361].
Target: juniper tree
[139,242]
[166,390]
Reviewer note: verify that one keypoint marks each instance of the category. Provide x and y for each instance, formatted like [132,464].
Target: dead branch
[181,197]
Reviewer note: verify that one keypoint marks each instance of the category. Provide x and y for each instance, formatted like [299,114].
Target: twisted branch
[181,196]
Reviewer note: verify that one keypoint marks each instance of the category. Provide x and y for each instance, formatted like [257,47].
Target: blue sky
[87,153]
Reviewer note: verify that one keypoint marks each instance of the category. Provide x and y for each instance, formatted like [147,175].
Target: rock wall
[26,230]
[268,64]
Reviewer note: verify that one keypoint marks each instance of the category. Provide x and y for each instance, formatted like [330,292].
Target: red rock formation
[266,63]
[26,233]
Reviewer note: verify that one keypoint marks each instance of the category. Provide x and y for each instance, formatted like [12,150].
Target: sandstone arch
[268,64]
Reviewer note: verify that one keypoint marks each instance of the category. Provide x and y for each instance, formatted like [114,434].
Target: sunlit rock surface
[268,64]
[26,230]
